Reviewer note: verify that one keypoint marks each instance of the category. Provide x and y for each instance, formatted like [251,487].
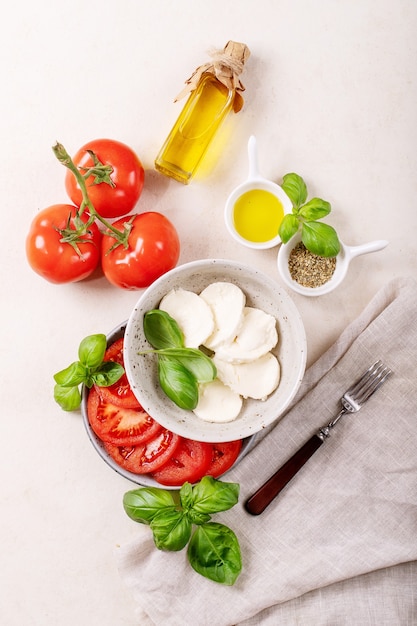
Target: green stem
[64,158]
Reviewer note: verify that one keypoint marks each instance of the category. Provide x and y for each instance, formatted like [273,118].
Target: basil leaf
[68,398]
[143,504]
[186,496]
[197,518]
[91,350]
[295,188]
[177,382]
[320,239]
[288,227]
[71,376]
[171,529]
[108,374]
[195,361]
[315,209]
[214,552]
[161,330]
[211,495]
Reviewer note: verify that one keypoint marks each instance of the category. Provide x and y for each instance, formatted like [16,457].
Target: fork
[352,400]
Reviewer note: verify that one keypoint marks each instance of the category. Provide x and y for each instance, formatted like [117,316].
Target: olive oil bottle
[214,91]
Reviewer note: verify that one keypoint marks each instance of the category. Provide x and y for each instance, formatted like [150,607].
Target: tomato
[147,457]
[118,425]
[188,463]
[128,178]
[55,260]
[223,457]
[120,393]
[153,249]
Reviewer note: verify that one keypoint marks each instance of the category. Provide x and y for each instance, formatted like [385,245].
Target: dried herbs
[308,269]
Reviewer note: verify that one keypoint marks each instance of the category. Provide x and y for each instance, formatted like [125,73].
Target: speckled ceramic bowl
[144,480]
[261,292]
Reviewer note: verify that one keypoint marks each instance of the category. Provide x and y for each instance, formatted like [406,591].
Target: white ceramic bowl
[261,292]
[254,182]
[343,259]
[145,480]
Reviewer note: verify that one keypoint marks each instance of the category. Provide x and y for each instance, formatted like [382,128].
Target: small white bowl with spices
[312,275]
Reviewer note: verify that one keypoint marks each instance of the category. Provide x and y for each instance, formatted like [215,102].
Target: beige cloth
[339,545]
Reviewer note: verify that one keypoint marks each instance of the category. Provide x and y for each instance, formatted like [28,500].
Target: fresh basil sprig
[213,549]
[90,369]
[180,369]
[320,239]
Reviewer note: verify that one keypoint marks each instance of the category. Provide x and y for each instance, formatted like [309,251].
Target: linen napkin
[340,541]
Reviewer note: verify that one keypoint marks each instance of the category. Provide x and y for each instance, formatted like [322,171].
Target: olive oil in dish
[257,215]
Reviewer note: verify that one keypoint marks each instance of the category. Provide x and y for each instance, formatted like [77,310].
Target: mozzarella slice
[192,314]
[256,336]
[227,302]
[217,403]
[256,379]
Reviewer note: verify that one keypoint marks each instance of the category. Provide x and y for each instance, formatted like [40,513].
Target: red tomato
[54,260]
[153,249]
[128,178]
[118,425]
[147,457]
[120,393]
[188,464]
[223,457]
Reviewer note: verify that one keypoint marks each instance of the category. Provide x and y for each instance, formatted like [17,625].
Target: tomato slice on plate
[120,393]
[146,457]
[117,424]
[223,457]
[188,464]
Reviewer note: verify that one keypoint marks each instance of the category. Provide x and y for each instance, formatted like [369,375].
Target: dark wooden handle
[269,490]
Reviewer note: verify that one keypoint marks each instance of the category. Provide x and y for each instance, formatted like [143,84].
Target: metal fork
[352,400]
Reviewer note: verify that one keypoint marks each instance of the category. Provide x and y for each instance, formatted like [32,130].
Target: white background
[330,94]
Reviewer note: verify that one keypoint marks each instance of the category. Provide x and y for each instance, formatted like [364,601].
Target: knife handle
[258,502]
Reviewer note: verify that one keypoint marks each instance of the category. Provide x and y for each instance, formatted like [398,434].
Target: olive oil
[203,113]
[257,215]
[215,90]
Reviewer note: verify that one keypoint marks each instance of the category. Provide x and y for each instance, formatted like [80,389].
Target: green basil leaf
[186,496]
[214,553]
[108,374]
[320,239]
[91,350]
[171,529]
[177,382]
[288,227]
[162,331]
[295,188]
[197,518]
[315,209]
[143,504]
[211,495]
[196,362]
[68,398]
[71,376]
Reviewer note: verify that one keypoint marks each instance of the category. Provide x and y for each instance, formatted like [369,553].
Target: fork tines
[369,382]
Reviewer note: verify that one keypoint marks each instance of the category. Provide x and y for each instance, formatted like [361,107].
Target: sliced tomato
[188,464]
[146,457]
[119,425]
[120,393]
[223,457]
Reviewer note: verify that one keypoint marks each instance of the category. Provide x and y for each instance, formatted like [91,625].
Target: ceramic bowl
[143,480]
[261,292]
[343,259]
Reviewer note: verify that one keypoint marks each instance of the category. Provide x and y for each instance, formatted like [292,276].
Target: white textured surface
[330,94]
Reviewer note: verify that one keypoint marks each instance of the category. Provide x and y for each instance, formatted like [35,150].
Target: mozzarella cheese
[217,403]
[256,336]
[192,314]
[256,379]
[227,302]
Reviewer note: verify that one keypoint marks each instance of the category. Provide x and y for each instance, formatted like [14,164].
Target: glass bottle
[215,91]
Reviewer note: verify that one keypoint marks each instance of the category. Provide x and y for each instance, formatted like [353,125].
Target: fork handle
[258,502]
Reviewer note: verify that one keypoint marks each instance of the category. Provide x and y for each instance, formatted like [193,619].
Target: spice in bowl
[308,269]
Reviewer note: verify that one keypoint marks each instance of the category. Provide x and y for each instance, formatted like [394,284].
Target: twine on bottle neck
[227,65]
